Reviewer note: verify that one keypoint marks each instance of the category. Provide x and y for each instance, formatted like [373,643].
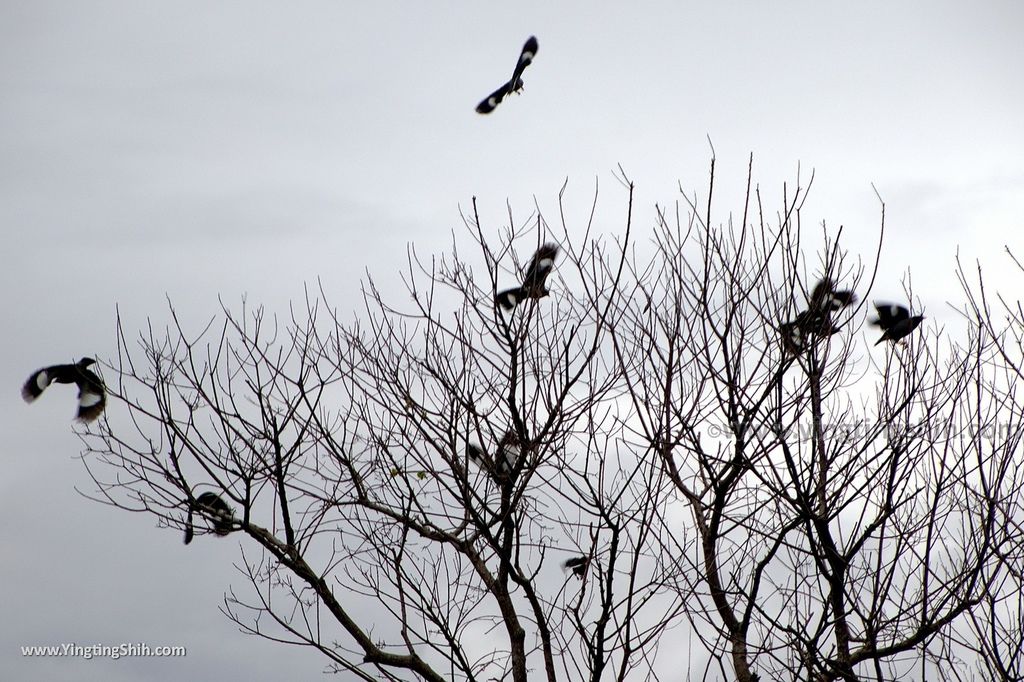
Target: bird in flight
[578,565]
[220,514]
[541,265]
[817,319]
[895,321]
[92,397]
[826,298]
[516,82]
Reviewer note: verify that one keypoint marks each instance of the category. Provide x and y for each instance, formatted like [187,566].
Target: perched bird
[509,452]
[221,516]
[536,274]
[578,565]
[92,397]
[516,82]
[895,320]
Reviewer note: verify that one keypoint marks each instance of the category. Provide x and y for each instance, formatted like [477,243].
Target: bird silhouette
[895,321]
[536,274]
[217,510]
[817,321]
[578,565]
[509,451]
[825,298]
[92,396]
[515,84]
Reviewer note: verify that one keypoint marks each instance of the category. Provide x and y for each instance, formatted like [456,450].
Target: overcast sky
[200,149]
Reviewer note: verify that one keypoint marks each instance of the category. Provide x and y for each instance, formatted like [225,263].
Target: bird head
[85,362]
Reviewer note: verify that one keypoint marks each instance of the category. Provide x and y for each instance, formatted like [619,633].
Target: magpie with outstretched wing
[541,265]
[92,396]
[895,321]
[578,565]
[825,298]
[889,314]
[516,82]
[221,516]
[817,321]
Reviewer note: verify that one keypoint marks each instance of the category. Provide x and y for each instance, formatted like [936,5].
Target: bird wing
[841,299]
[509,298]
[825,298]
[820,294]
[493,100]
[889,314]
[36,384]
[525,59]
[92,397]
[540,266]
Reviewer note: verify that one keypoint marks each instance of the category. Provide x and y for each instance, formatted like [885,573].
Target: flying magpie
[92,397]
[817,319]
[895,321]
[536,274]
[825,298]
[578,565]
[513,85]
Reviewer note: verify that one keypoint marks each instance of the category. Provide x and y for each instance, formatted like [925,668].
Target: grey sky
[197,149]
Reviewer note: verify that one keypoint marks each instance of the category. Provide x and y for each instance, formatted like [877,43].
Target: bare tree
[849,516]
[690,422]
[413,481]
[996,639]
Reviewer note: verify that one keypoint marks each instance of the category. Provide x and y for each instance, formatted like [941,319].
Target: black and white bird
[895,320]
[92,396]
[221,516]
[515,84]
[578,565]
[825,298]
[541,265]
[817,321]
[794,337]
[509,451]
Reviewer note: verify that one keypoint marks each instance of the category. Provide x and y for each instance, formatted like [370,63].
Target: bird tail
[189,530]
